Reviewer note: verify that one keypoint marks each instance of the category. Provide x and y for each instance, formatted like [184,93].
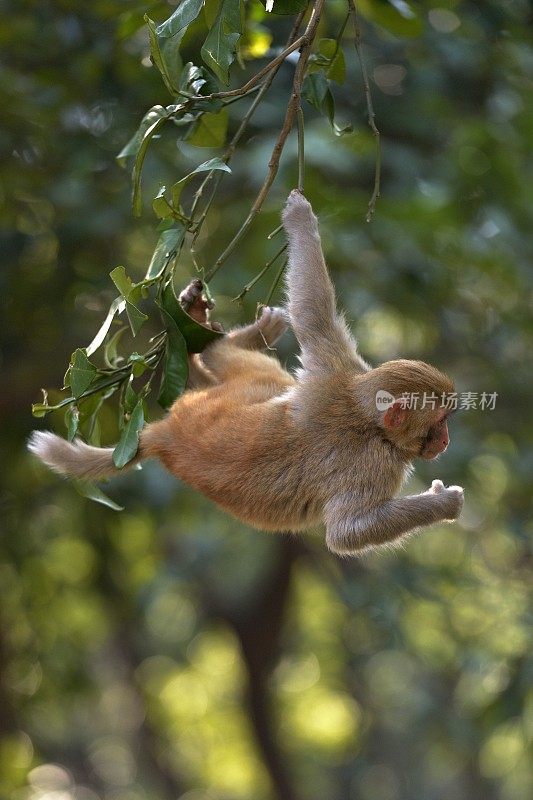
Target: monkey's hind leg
[264,333]
[199,376]
[228,362]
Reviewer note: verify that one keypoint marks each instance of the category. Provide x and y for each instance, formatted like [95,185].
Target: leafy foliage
[199,114]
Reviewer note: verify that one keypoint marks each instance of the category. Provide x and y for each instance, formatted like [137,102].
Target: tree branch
[301,148]
[230,150]
[260,274]
[255,78]
[370,108]
[273,164]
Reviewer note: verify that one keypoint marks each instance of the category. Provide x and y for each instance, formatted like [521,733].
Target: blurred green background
[167,651]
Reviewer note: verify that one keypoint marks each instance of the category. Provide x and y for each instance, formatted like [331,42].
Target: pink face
[437,438]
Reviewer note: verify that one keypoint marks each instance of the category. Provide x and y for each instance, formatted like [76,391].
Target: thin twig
[273,164]
[340,34]
[275,283]
[236,99]
[275,231]
[230,150]
[259,275]
[370,108]
[301,149]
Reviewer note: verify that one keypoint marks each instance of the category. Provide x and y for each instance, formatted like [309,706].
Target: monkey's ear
[395,415]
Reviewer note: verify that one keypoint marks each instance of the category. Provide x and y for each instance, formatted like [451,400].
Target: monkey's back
[242,450]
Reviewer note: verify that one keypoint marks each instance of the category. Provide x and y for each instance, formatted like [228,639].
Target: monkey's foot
[191,293]
[298,213]
[273,323]
[193,301]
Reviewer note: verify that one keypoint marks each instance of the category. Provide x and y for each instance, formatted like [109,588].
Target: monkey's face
[415,433]
[436,439]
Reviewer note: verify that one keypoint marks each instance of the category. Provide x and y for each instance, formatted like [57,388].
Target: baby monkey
[286,453]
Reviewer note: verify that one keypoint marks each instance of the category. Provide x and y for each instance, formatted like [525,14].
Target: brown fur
[286,454]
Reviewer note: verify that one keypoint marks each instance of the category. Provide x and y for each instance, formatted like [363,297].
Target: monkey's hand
[298,214]
[450,499]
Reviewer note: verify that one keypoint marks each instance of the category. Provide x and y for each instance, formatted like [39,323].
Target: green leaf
[328,107]
[130,291]
[72,420]
[327,48]
[176,191]
[117,307]
[157,55]
[192,78]
[211,9]
[81,373]
[317,92]
[333,55]
[106,383]
[139,161]
[196,336]
[89,412]
[337,70]
[176,364]
[315,89]
[170,241]
[170,51]
[161,206]
[122,281]
[286,7]
[111,357]
[186,12]
[139,364]
[130,397]
[93,431]
[206,166]
[92,492]
[128,444]
[342,130]
[210,130]
[131,149]
[219,49]
[89,406]
[135,316]
[207,292]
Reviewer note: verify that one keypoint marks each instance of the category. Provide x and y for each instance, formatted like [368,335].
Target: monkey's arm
[324,338]
[347,532]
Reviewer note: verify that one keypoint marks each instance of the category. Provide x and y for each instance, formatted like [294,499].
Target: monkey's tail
[79,460]
[75,459]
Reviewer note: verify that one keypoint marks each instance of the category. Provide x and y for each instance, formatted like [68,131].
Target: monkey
[288,452]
